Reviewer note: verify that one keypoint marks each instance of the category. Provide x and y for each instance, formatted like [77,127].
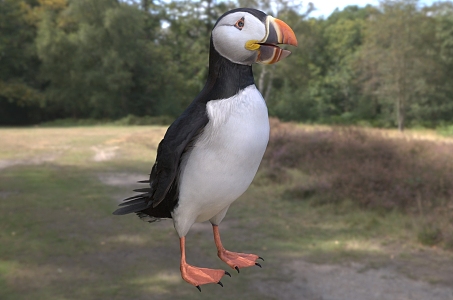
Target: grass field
[59,240]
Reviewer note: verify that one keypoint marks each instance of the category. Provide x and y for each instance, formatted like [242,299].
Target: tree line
[387,65]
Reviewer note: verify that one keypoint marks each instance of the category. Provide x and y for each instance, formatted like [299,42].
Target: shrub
[430,235]
[146,120]
[125,121]
[368,168]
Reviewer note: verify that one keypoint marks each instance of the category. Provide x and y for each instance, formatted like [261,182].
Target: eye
[240,23]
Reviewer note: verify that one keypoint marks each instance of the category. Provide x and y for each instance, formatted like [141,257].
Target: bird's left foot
[239,260]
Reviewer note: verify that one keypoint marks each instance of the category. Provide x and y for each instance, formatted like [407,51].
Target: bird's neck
[226,78]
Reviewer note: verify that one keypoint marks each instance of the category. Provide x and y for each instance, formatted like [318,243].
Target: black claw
[261,258]
[237,269]
[219,283]
[199,288]
[257,264]
[226,273]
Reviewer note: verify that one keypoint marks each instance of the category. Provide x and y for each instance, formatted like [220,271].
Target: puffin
[211,152]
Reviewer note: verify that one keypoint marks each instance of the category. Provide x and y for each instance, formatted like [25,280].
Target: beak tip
[292,42]
[285,54]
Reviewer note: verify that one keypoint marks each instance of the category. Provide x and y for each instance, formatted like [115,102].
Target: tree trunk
[145,5]
[263,86]
[400,111]
[269,85]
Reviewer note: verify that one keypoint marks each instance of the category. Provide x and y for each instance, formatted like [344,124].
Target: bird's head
[246,36]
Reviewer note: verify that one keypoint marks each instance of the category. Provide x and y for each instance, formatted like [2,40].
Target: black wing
[163,178]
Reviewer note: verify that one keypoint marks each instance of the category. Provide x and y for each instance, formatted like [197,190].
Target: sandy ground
[104,153]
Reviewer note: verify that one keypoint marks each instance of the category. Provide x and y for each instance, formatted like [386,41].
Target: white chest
[225,158]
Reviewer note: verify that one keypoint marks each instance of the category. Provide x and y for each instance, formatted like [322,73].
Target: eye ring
[240,23]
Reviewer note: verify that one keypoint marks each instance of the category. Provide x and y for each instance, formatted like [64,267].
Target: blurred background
[388,65]
[354,197]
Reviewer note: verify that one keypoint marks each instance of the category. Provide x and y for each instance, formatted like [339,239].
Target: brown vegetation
[365,167]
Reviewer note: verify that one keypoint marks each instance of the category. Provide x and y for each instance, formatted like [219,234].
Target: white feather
[224,160]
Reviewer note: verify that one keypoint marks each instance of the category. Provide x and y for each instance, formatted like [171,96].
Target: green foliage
[91,63]
[19,87]
[396,60]
[387,66]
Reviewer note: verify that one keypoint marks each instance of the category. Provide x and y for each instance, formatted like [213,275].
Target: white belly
[224,160]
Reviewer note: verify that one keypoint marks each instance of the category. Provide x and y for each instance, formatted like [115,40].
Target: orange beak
[278,32]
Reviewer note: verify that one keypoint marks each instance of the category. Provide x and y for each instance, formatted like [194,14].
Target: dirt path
[333,282]
[6,163]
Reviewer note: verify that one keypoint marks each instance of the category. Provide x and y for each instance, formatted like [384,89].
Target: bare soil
[336,282]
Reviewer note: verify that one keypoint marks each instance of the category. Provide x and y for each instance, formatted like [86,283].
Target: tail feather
[144,190]
[132,202]
[144,206]
[136,203]
[136,207]
[133,197]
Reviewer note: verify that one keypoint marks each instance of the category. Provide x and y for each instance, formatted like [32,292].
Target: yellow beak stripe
[252,45]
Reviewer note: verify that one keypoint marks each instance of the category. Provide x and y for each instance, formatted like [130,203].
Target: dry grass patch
[369,169]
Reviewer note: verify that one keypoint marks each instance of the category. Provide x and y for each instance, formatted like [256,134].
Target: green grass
[445,130]
[59,239]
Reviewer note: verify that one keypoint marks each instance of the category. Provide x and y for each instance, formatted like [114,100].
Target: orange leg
[198,276]
[233,259]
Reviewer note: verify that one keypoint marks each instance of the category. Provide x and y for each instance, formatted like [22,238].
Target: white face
[231,34]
